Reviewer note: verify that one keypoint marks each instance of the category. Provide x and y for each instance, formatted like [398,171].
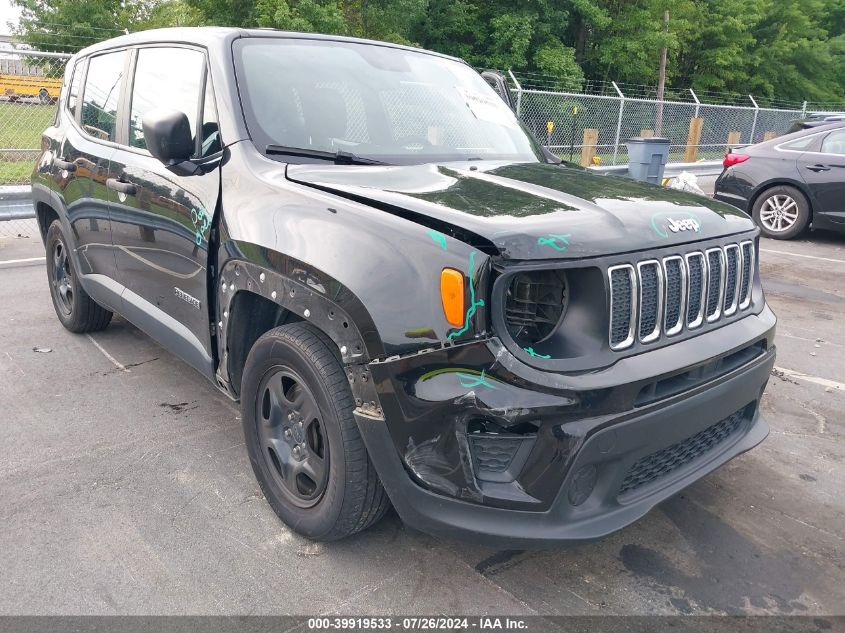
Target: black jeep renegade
[413,302]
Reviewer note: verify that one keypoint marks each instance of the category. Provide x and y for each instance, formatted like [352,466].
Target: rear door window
[834,143]
[102,92]
[805,144]
[166,78]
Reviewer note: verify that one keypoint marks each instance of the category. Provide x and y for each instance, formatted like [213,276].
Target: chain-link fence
[579,126]
[593,128]
[29,87]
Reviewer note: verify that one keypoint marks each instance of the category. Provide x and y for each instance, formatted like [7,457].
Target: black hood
[534,210]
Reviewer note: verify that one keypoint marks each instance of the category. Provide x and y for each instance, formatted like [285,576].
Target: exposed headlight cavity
[535,304]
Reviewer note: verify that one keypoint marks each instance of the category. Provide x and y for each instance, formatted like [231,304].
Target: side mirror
[167,134]
[499,84]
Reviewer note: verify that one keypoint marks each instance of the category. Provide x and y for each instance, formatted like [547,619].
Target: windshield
[378,102]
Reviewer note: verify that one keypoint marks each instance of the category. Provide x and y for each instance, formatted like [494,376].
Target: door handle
[63,164]
[818,168]
[120,186]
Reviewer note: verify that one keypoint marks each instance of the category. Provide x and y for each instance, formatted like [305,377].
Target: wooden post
[768,136]
[646,133]
[733,138]
[588,146]
[693,139]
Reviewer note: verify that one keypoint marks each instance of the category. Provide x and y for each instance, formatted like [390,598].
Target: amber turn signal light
[452,295]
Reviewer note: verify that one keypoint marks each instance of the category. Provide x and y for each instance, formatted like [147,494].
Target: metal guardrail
[701,168]
[16,203]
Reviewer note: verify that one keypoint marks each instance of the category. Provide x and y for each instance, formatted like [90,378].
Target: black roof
[211,36]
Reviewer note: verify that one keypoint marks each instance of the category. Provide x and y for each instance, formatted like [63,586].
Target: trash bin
[647,158]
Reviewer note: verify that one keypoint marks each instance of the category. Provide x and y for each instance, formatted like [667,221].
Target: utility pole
[661,82]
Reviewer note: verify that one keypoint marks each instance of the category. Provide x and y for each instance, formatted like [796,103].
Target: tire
[76,310]
[302,439]
[781,212]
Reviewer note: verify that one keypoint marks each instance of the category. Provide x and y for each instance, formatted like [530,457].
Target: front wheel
[781,212]
[302,439]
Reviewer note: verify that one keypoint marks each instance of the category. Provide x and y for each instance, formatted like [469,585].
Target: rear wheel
[302,439]
[76,310]
[781,212]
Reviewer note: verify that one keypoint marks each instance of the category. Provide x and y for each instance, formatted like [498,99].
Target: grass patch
[21,125]
[15,173]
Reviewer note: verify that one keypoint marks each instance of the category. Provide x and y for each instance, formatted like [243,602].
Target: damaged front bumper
[471,443]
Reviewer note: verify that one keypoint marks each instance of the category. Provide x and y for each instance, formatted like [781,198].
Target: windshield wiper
[340,157]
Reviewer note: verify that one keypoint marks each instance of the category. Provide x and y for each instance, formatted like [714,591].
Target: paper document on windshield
[487,108]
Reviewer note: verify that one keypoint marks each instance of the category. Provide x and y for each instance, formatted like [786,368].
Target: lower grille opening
[499,453]
[679,383]
[665,461]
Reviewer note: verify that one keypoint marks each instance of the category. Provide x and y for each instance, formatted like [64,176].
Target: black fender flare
[44,195]
[339,313]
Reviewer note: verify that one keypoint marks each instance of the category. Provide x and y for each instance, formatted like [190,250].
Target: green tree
[171,13]
[65,26]
[323,16]
[786,49]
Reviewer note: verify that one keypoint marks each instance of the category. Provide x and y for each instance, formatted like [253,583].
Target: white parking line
[824,382]
[821,259]
[107,355]
[22,261]
[807,340]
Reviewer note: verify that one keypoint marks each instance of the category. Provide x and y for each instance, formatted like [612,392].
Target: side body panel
[382,270]
[825,178]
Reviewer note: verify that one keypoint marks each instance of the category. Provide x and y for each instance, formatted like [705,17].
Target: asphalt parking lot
[125,489]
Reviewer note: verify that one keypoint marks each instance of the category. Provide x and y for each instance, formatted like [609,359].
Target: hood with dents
[534,210]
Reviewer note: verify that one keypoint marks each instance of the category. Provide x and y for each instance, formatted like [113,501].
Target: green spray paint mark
[469,381]
[446,370]
[473,304]
[421,332]
[201,221]
[553,240]
[438,237]
[531,352]
[469,377]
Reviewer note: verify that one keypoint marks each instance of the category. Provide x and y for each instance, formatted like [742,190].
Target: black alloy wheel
[62,277]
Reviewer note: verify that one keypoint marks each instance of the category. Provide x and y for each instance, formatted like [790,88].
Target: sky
[8,13]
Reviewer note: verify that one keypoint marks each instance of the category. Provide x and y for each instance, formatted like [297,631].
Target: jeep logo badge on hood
[663,223]
[686,224]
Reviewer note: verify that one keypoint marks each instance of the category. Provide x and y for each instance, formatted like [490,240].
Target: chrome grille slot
[623,302]
[732,279]
[747,282]
[715,283]
[651,299]
[674,272]
[697,273]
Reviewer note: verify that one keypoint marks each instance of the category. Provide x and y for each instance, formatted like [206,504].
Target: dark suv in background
[362,243]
